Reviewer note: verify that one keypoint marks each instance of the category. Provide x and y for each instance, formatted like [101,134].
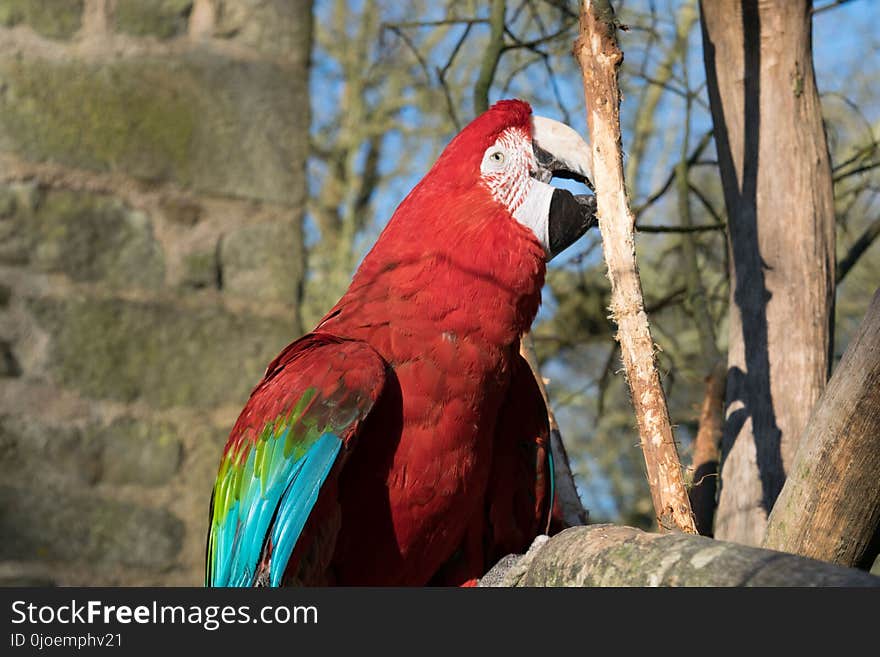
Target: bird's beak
[557,216]
[561,152]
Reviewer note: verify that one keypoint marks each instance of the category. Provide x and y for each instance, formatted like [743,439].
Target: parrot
[404,441]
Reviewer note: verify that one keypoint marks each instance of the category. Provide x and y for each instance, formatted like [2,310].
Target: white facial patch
[507,169]
[534,211]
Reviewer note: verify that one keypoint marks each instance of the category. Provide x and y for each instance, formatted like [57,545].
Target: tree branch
[829,507]
[705,140]
[610,555]
[491,57]
[858,248]
[707,451]
[830,5]
[680,229]
[573,512]
[600,57]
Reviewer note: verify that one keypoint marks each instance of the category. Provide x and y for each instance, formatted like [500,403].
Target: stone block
[198,119]
[279,27]
[33,451]
[90,237]
[39,523]
[56,19]
[159,18]
[263,261]
[138,452]
[156,351]
[200,269]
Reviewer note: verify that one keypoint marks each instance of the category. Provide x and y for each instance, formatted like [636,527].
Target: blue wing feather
[298,500]
[280,453]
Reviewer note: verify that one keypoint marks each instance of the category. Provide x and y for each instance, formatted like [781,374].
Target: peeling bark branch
[829,508]
[599,56]
[609,555]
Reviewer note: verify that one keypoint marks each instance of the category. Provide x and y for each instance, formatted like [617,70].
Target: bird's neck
[480,278]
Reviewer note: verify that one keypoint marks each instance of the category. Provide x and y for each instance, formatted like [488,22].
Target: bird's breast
[429,479]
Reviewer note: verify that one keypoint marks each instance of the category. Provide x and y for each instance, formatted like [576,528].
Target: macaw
[404,441]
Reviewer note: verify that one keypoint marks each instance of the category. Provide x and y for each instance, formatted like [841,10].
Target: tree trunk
[829,508]
[599,56]
[609,555]
[775,171]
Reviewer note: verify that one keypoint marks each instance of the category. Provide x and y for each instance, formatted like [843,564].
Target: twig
[445,21]
[830,5]
[859,169]
[600,57]
[858,248]
[707,204]
[573,512]
[705,140]
[681,229]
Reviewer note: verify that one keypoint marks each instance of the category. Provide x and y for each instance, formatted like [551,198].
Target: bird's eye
[497,157]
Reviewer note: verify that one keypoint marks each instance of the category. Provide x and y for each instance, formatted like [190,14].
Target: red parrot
[404,441]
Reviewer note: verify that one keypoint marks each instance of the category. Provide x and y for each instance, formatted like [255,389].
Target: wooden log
[611,555]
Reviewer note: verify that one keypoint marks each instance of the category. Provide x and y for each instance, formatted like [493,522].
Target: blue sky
[846,48]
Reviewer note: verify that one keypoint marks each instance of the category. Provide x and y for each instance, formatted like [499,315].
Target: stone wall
[152,185]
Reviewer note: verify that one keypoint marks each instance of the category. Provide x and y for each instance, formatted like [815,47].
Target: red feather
[443,297]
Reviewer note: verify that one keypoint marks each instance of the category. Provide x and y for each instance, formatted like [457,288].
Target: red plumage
[450,469]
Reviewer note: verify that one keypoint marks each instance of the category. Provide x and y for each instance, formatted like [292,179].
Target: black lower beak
[570,217]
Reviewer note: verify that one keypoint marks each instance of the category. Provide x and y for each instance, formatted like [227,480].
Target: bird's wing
[307,410]
[520,496]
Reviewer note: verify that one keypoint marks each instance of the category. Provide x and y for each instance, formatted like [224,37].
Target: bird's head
[514,155]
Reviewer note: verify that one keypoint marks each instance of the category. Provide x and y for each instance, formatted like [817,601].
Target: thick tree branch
[609,555]
[600,57]
[829,507]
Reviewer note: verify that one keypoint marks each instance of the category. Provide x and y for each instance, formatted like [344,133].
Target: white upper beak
[569,150]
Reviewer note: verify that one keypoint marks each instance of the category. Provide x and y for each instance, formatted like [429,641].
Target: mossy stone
[90,237]
[156,351]
[200,269]
[278,27]
[61,454]
[138,452]
[59,525]
[263,261]
[160,18]
[56,19]
[198,119]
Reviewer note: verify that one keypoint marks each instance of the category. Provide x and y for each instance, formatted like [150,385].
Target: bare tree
[775,170]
